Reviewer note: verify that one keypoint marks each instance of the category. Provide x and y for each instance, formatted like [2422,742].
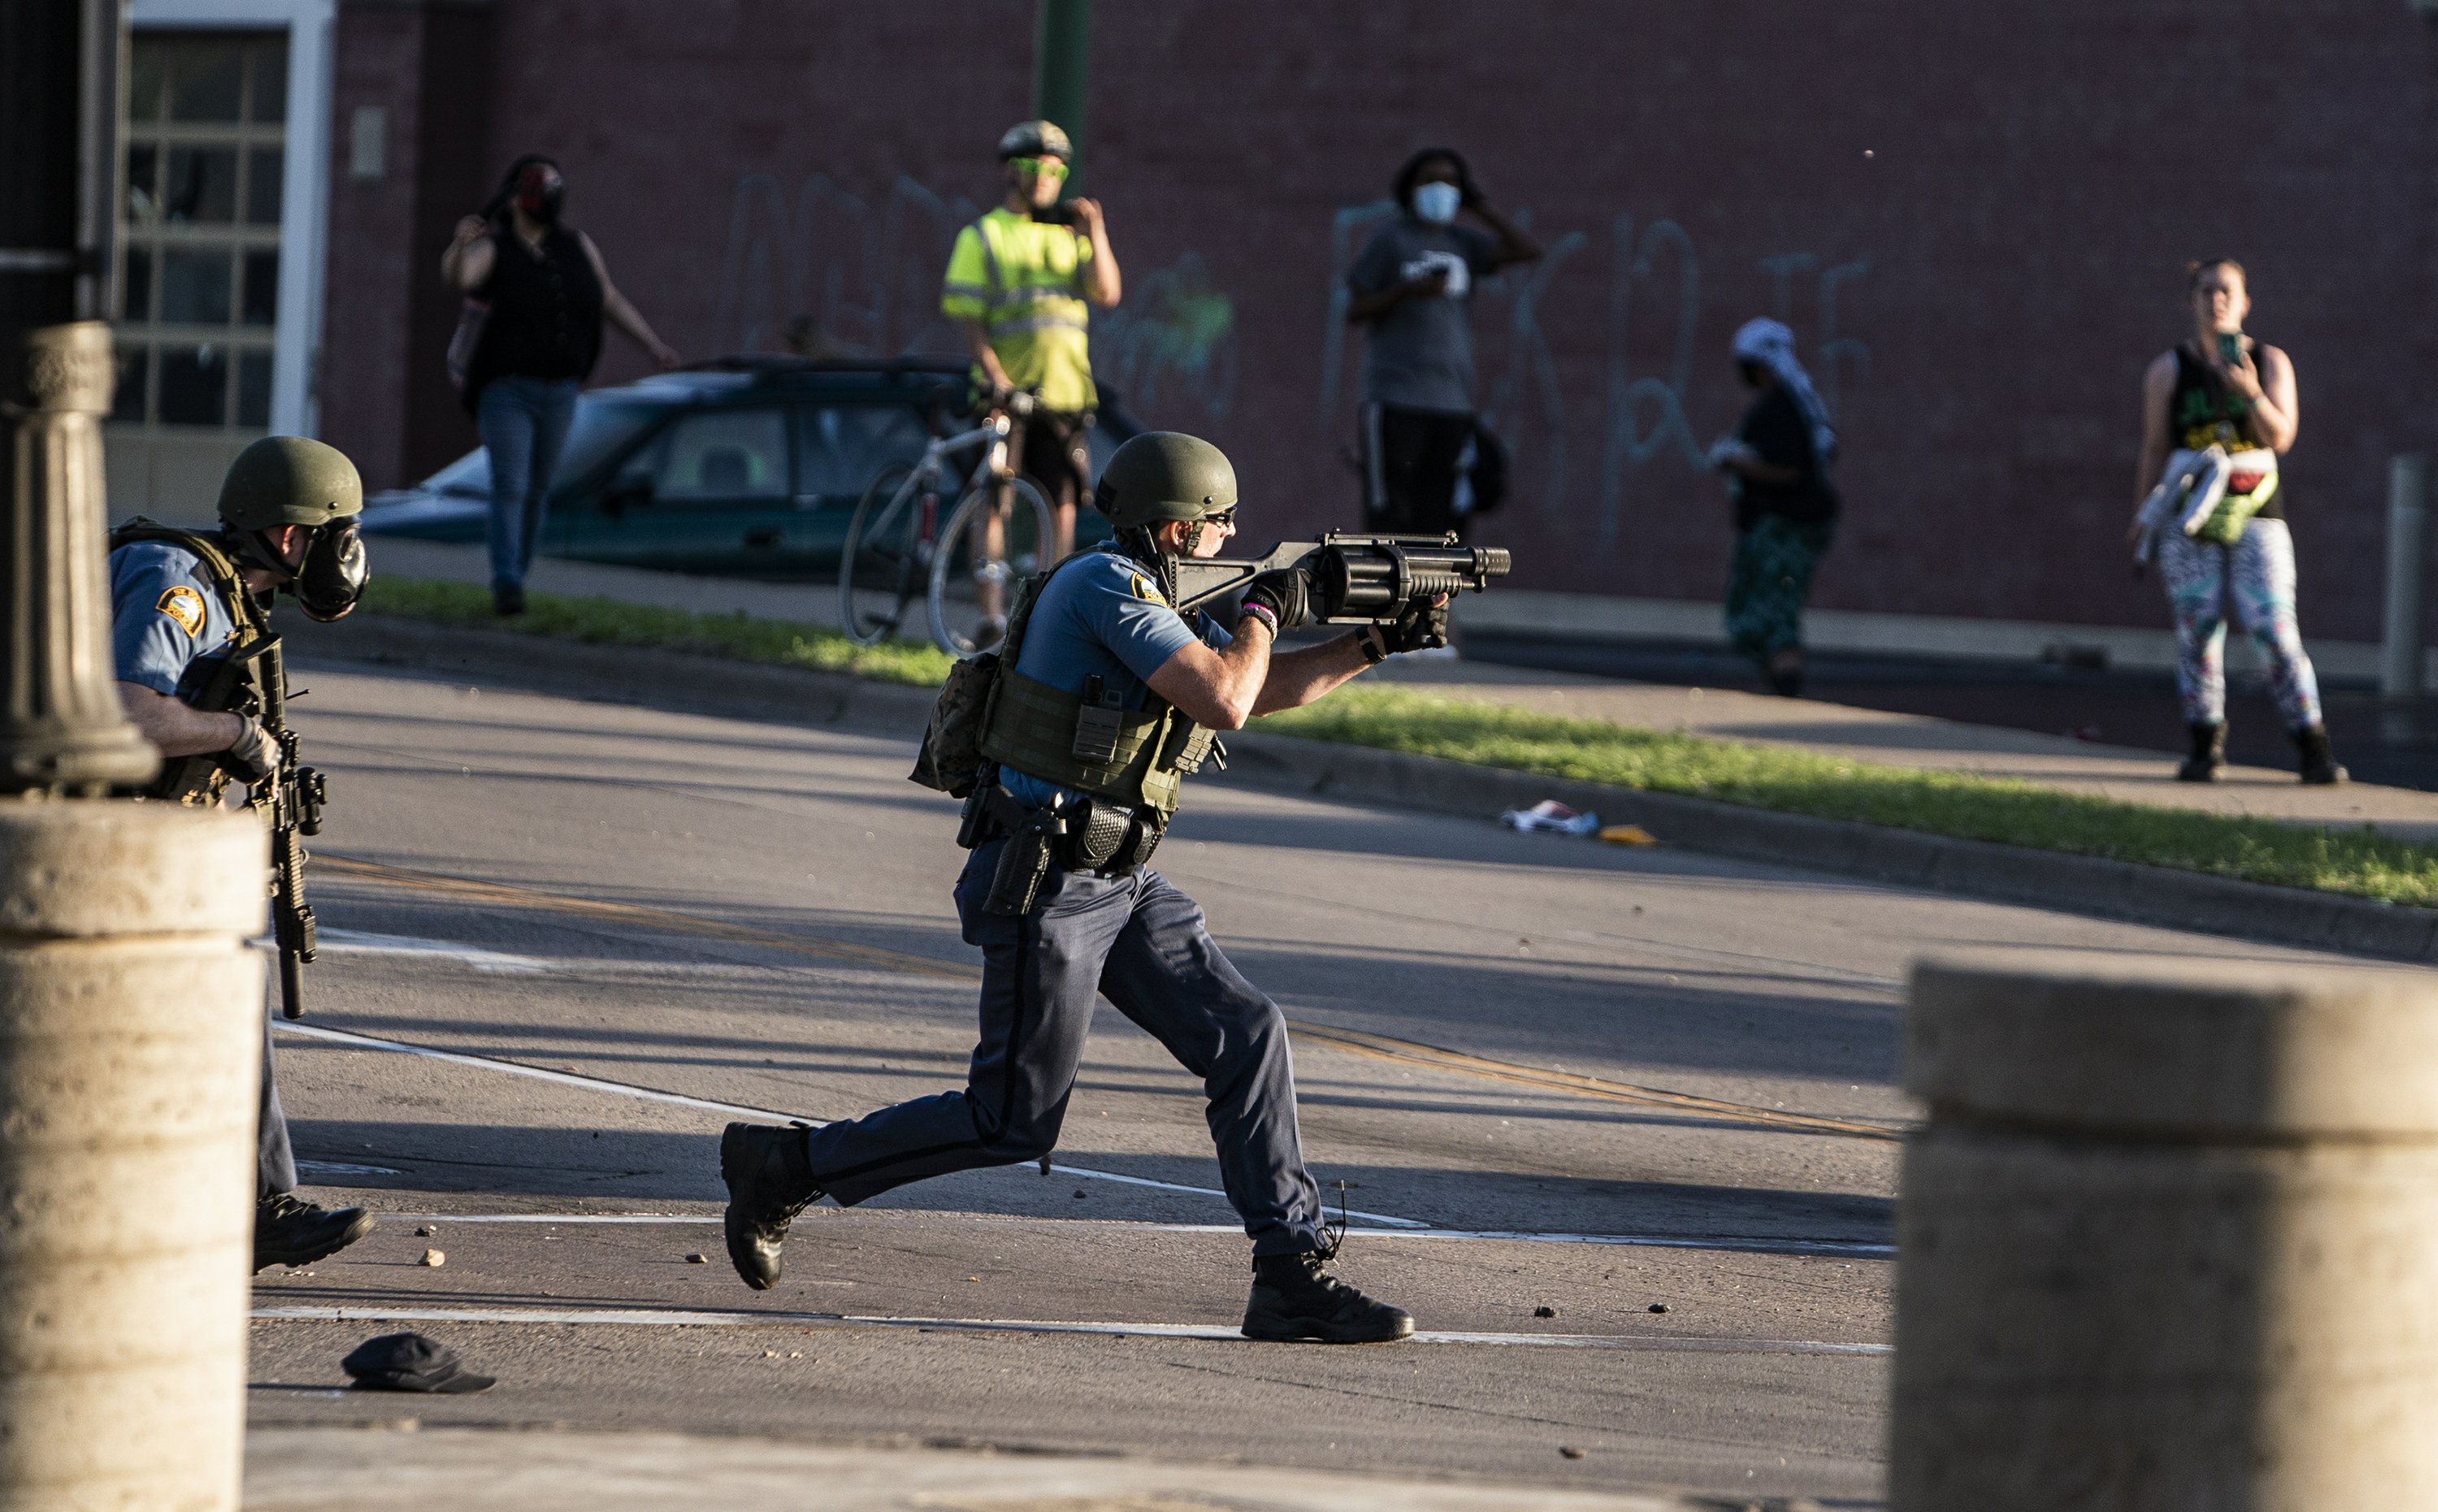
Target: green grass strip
[613,622]
[2356,862]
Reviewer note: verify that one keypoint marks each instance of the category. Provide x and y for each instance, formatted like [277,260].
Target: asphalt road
[566,939]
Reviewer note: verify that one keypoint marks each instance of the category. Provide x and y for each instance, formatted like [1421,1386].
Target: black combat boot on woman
[769,1180]
[2208,758]
[2318,766]
[1295,1297]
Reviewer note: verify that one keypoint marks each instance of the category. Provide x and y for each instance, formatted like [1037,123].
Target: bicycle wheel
[888,548]
[956,580]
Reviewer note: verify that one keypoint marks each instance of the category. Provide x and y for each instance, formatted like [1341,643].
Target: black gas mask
[333,575]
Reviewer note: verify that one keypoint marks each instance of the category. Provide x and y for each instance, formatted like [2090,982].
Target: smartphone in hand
[2230,349]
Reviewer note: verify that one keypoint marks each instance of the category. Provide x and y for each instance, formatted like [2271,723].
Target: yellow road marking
[1381,1046]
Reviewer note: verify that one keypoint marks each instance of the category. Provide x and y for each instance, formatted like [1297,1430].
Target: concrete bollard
[2400,653]
[131,1041]
[2169,1239]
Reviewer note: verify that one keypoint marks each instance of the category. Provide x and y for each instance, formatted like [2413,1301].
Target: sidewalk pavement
[399,1467]
[1857,734]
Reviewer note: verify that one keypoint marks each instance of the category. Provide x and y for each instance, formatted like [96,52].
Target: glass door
[199,283]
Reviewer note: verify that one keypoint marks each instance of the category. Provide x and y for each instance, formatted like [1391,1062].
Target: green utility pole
[1062,49]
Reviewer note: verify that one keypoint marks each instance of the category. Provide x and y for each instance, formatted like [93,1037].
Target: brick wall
[1974,217]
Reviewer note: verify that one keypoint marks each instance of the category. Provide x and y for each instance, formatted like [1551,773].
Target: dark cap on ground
[410,1361]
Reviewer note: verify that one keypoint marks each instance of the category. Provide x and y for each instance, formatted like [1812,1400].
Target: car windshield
[602,426]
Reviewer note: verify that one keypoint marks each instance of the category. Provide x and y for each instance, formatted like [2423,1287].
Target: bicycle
[897,548]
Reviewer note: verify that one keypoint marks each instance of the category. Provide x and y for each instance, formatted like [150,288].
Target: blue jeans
[524,424]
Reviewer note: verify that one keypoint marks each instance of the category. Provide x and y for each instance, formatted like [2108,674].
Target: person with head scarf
[537,292]
[1778,466]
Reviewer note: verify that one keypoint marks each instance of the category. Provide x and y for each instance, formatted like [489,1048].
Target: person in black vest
[547,290]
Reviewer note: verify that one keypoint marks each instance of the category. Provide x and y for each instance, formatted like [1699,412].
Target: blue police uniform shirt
[163,614]
[1103,613]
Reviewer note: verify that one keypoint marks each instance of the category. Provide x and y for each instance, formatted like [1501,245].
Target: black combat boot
[2209,753]
[290,1231]
[769,1182]
[1295,1297]
[2318,768]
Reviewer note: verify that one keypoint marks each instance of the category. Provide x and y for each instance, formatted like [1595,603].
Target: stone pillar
[62,729]
[2169,1238]
[131,1041]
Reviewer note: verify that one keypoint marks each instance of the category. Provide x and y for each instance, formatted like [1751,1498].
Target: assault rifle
[253,681]
[1355,579]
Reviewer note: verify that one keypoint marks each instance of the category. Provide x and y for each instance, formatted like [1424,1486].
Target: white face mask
[1437,202]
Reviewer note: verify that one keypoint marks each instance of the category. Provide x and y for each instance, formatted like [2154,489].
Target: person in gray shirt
[1412,287]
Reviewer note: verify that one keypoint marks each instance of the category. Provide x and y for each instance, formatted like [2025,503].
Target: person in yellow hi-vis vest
[1022,282]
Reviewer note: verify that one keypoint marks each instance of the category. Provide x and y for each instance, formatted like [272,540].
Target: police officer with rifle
[1069,745]
[200,674]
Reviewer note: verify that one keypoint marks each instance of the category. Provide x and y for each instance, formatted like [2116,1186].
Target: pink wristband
[1269,621]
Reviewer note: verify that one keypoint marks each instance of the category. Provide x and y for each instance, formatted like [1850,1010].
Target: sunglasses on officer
[1048,167]
[1225,518]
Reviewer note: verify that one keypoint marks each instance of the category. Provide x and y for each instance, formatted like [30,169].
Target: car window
[723,454]
[839,446]
[601,427]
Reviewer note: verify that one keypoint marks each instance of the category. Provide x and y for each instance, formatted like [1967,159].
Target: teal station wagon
[748,466]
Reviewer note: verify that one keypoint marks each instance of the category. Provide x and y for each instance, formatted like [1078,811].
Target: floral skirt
[1767,582]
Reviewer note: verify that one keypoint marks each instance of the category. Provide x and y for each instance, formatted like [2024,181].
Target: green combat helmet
[289,481]
[1165,475]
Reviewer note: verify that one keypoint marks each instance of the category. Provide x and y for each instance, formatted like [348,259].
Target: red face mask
[539,193]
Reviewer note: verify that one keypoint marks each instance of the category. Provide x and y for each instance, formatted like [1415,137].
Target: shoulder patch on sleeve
[185,605]
[1145,588]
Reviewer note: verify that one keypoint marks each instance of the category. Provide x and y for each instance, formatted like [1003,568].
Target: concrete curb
[2072,884]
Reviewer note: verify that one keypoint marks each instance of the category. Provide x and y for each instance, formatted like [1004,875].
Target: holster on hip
[1023,862]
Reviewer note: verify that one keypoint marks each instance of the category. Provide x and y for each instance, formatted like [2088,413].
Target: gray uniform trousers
[1142,943]
[275,1163]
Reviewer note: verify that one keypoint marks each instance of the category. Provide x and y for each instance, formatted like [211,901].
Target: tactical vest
[1134,757]
[199,779]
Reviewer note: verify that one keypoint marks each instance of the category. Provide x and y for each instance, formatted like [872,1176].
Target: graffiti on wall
[1651,339]
[833,274]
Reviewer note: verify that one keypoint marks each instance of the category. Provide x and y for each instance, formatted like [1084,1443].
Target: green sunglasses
[1040,167]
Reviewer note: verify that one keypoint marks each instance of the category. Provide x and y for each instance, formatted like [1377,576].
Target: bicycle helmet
[1036,139]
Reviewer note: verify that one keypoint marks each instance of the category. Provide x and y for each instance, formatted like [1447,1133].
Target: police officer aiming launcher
[1068,747]
[200,674]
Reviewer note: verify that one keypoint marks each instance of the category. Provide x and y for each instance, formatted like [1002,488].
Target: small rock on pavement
[1570,1452]
[1659,1307]
[1544,1312]
[434,1258]
[425,1231]
[697,1258]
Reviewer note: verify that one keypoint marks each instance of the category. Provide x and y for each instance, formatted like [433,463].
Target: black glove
[252,756]
[1287,592]
[1420,625]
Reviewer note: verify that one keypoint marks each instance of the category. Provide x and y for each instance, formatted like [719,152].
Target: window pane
[254,390]
[202,184]
[838,449]
[135,288]
[733,454]
[262,186]
[261,288]
[194,383]
[205,78]
[143,183]
[135,366]
[270,80]
[148,77]
[195,287]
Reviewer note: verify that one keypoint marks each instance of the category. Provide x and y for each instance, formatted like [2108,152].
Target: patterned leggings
[2256,574]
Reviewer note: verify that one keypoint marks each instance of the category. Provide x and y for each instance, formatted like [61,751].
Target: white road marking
[592,1084]
[341,1168]
[1741,1245]
[359,942]
[656,1318]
